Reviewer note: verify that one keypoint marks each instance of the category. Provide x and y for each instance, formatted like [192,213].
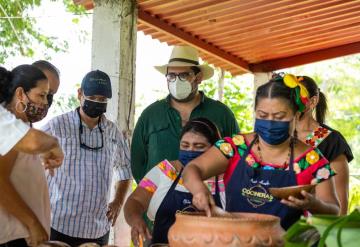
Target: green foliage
[238,96]
[334,231]
[18,32]
[65,103]
[354,195]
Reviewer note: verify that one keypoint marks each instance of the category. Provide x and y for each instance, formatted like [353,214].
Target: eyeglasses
[183,76]
[82,144]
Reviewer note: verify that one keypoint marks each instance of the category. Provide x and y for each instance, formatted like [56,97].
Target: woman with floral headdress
[269,157]
[312,130]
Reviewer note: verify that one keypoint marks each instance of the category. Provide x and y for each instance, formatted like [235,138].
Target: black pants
[15,243]
[73,241]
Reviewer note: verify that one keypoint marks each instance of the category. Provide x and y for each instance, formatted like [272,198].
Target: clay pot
[54,244]
[89,245]
[243,229]
[295,191]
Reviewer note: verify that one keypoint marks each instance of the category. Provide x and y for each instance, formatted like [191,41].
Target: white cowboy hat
[186,56]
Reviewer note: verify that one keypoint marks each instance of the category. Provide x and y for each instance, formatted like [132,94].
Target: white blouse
[159,180]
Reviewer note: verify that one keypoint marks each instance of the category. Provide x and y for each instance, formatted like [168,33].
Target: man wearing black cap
[94,148]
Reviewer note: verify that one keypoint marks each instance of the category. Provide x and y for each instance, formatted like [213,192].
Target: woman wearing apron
[270,157]
[161,192]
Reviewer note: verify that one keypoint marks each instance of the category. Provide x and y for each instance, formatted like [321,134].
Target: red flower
[321,132]
[310,142]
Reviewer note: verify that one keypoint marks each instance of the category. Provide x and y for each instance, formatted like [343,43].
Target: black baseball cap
[96,83]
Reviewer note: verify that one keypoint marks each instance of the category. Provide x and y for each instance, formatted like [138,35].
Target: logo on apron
[257,195]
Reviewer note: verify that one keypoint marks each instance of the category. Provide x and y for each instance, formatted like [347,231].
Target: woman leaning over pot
[330,142]
[269,157]
[161,192]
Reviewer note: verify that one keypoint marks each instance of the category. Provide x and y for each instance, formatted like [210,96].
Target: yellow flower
[250,160]
[312,157]
[226,148]
[238,140]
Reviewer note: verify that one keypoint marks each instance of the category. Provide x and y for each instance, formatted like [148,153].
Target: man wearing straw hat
[156,134]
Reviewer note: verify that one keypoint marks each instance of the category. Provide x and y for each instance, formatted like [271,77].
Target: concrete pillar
[114,52]
[261,78]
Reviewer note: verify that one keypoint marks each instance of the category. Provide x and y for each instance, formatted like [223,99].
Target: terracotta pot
[243,229]
[54,244]
[89,245]
[295,191]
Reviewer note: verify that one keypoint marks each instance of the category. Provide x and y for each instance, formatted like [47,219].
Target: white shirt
[12,130]
[159,180]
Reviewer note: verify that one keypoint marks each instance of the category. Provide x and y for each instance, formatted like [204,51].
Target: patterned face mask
[35,112]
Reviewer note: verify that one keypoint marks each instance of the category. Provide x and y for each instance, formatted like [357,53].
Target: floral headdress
[301,94]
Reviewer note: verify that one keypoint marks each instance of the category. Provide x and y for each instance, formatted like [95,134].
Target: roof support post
[260,78]
[114,52]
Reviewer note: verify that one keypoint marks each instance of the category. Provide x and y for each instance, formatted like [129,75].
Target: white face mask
[180,89]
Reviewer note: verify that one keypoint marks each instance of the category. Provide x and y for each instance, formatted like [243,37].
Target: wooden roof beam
[306,58]
[191,40]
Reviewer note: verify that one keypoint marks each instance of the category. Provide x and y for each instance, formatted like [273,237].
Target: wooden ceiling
[254,35]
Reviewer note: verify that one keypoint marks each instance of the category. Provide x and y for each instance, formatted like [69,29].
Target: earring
[24,108]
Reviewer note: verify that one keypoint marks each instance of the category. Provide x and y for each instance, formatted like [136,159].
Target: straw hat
[186,56]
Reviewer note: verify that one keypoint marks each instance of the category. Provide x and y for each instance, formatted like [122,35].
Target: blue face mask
[186,156]
[272,132]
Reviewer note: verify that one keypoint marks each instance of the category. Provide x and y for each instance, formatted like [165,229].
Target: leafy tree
[237,95]
[18,32]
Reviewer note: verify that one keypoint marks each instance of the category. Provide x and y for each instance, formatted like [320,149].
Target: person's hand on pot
[203,200]
[139,230]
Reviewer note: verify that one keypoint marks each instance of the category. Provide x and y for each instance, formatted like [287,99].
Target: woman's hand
[307,203]
[37,234]
[139,230]
[203,200]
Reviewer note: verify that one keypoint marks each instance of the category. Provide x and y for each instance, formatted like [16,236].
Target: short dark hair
[204,127]
[275,88]
[25,76]
[45,65]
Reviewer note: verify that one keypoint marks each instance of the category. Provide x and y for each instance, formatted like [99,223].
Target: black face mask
[50,98]
[94,109]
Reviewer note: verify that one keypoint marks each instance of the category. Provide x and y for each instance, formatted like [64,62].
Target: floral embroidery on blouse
[310,167]
[238,140]
[148,185]
[169,171]
[225,148]
[317,136]
[312,157]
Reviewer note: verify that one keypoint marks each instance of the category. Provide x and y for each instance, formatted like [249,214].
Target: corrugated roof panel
[235,34]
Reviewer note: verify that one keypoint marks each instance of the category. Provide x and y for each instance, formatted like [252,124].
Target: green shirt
[157,131]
